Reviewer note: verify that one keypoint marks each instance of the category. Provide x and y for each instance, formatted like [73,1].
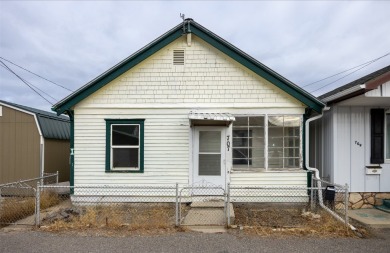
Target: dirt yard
[290,221]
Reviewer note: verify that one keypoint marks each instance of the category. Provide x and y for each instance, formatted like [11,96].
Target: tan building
[32,142]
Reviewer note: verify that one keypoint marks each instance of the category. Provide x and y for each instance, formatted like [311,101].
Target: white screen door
[209,155]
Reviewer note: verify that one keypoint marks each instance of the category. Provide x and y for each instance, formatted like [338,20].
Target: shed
[32,142]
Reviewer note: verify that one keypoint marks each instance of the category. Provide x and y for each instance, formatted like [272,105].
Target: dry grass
[15,208]
[290,222]
[123,219]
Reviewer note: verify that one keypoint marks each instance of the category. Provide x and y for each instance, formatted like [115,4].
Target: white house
[188,107]
[353,138]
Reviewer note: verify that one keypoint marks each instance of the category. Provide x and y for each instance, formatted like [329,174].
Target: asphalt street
[34,241]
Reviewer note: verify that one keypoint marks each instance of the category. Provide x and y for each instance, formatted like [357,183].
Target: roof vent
[178,57]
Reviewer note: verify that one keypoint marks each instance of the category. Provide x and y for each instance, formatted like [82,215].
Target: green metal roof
[51,125]
[189,26]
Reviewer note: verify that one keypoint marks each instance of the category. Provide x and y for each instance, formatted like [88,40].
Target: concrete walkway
[207,217]
[371,217]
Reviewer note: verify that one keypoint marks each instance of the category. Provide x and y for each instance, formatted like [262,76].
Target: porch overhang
[210,119]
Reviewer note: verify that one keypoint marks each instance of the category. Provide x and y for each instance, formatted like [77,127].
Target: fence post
[177,205]
[57,177]
[228,204]
[38,205]
[346,203]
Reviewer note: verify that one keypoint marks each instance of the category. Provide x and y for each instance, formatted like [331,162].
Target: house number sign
[228,142]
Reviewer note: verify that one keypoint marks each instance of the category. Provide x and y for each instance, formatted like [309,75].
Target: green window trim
[110,122]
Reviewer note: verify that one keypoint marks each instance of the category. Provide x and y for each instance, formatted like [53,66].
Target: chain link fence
[17,200]
[148,207]
[333,198]
[129,207]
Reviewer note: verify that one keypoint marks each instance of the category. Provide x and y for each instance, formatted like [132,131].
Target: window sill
[124,171]
[242,170]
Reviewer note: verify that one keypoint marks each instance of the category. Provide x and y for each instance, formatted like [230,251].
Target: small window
[124,147]
[178,57]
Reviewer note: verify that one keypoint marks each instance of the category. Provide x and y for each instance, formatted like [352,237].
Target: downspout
[316,171]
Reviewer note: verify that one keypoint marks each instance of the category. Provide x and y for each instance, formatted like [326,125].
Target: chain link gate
[201,204]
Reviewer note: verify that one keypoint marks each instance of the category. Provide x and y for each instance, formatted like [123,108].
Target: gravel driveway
[33,241]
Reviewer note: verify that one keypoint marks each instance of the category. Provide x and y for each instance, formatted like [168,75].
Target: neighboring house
[188,107]
[353,137]
[32,142]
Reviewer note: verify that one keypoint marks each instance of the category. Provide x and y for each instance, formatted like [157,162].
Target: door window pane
[210,141]
[209,164]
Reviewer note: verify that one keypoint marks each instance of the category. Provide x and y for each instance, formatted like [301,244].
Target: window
[277,136]
[124,145]
[283,142]
[248,142]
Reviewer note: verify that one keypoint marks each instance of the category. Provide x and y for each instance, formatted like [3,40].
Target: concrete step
[208,204]
[208,214]
[386,202]
[208,229]
[383,208]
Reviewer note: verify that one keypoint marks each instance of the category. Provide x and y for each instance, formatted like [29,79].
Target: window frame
[109,146]
[266,148]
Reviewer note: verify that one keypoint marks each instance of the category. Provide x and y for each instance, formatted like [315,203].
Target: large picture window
[124,145]
[270,141]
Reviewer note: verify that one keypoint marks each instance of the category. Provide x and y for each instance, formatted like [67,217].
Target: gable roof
[51,125]
[188,26]
[357,87]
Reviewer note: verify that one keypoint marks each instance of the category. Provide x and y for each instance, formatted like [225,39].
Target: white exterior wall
[163,95]
[346,144]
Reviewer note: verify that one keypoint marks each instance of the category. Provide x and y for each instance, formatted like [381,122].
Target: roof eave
[211,38]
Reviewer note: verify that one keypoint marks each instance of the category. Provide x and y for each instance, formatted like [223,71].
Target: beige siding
[19,146]
[298,178]
[57,158]
[163,95]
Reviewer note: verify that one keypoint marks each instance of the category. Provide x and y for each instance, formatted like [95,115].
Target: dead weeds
[118,220]
[290,222]
[14,208]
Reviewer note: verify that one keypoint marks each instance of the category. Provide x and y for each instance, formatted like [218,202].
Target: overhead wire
[59,85]
[27,83]
[361,67]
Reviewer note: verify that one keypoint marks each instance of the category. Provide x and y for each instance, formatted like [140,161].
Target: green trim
[118,70]
[296,92]
[208,37]
[71,174]
[306,116]
[109,122]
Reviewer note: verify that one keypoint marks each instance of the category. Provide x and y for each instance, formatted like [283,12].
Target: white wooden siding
[163,95]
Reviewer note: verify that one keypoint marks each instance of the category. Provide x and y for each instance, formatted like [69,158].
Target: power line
[366,63]
[36,74]
[25,82]
[31,84]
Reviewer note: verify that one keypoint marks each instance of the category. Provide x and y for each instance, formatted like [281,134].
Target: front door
[209,155]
